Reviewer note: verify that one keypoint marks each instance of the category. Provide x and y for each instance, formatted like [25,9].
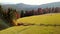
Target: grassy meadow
[52,18]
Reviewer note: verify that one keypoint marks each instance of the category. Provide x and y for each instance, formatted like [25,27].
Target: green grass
[3,25]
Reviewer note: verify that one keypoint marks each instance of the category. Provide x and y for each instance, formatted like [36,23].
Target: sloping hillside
[31,30]
[22,6]
[3,25]
[53,18]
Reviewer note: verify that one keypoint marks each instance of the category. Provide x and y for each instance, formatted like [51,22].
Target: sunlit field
[52,18]
[31,30]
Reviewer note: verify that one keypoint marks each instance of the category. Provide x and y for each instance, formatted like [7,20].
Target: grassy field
[31,30]
[53,18]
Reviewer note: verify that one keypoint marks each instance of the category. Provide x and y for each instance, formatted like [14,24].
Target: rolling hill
[52,18]
[22,6]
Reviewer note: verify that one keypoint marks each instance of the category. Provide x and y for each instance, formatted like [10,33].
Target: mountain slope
[22,6]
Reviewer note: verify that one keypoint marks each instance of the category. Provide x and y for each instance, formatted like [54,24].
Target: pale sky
[31,2]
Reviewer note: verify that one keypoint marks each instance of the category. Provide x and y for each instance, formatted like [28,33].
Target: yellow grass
[13,30]
[31,30]
[34,29]
[53,18]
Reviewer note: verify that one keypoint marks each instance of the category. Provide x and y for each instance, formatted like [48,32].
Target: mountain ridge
[22,6]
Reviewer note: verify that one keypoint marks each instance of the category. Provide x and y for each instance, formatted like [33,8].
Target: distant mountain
[22,6]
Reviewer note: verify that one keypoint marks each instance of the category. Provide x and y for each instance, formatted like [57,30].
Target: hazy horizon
[30,2]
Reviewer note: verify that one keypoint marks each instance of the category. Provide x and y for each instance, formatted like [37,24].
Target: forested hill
[22,6]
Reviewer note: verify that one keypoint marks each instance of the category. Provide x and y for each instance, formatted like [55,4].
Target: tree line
[12,14]
[40,11]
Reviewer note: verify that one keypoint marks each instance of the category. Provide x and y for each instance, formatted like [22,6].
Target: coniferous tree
[1,11]
[22,13]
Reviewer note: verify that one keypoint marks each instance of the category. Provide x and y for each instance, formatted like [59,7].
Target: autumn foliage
[12,14]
